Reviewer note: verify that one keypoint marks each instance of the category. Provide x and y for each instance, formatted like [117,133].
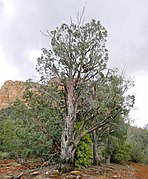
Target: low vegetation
[34,131]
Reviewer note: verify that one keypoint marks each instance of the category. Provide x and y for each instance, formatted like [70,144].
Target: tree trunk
[67,146]
[108,157]
[96,158]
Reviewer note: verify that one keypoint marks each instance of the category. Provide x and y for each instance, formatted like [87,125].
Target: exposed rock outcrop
[10,91]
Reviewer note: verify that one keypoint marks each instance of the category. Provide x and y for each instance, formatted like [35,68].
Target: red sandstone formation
[10,91]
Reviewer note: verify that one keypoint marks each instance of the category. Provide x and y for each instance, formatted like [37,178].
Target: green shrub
[30,132]
[138,139]
[4,155]
[7,135]
[120,153]
[84,153]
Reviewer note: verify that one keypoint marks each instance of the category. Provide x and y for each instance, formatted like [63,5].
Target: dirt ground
[11,169]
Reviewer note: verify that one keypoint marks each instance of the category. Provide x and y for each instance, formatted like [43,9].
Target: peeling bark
[67,146]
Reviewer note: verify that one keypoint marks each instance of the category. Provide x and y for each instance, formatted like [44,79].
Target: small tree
[78,58]
[138,139]
[117,150]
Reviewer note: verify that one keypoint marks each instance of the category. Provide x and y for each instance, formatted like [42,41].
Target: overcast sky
[127,42]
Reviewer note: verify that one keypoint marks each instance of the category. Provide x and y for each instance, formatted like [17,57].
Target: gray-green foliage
[138,139]
[79,48]
[31,130]
[116,148]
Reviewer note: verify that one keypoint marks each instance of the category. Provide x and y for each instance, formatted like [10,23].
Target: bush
[120,153]
[30,132]
[138,139]
[4,155]
[84,153]
[8,136]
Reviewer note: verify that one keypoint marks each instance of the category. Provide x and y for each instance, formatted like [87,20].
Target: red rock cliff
[10,91]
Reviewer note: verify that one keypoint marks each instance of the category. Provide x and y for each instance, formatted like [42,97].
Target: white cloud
[7,71]
[32,56]
[9,8]
[141,93]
